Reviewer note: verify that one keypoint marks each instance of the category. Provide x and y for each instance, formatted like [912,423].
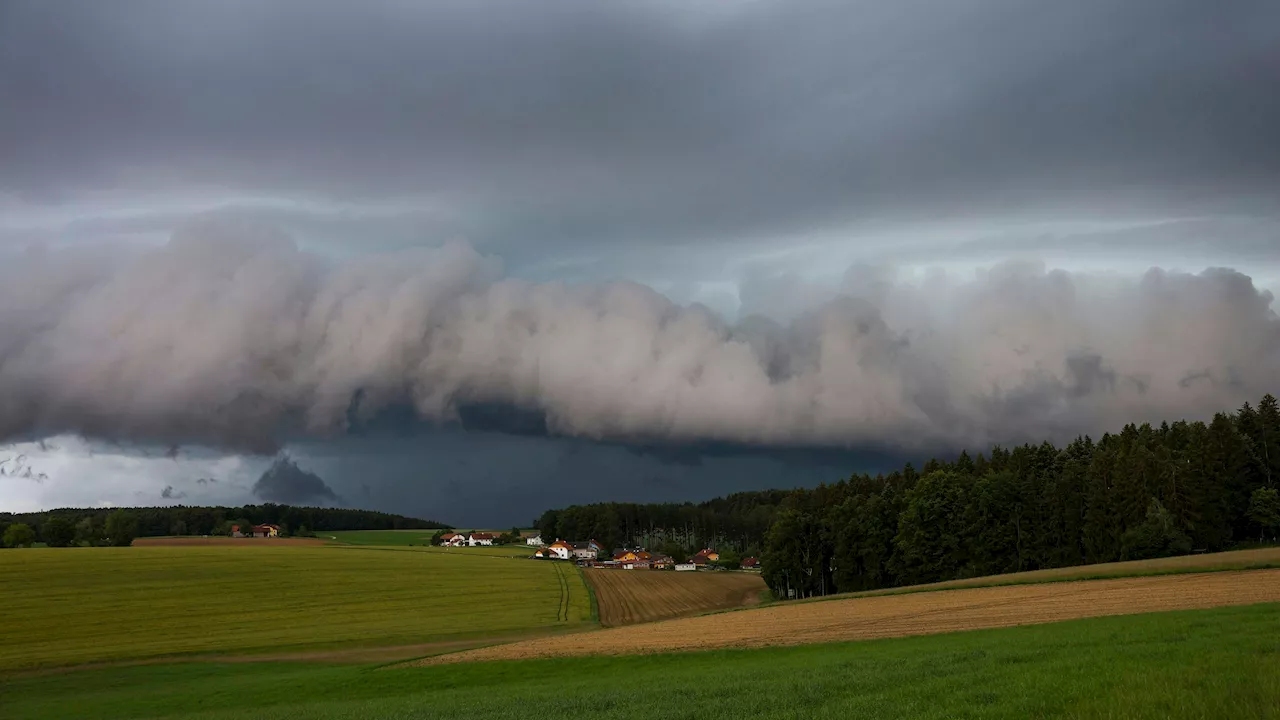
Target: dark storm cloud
[584,122]
[169,493]
[230,335]
[286,483]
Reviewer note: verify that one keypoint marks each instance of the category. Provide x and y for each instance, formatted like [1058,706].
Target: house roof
[750,562]
[482,536]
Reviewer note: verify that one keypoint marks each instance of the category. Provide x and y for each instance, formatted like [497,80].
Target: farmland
[626,597]
[421,539]
[892,616]
[1221,663]
[85,605]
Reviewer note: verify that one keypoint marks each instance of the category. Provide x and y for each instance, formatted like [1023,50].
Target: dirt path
[894,616]
[633,596]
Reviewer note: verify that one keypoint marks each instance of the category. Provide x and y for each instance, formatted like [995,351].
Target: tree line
[1141,493]
[96,526]
[736,522]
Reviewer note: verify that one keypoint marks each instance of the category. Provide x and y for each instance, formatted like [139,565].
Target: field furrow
[633,596]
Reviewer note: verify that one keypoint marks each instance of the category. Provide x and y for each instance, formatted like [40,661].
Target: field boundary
[591,593]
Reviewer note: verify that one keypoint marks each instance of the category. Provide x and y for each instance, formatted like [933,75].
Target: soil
[626,597]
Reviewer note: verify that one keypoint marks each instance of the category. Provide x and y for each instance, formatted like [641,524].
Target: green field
[1222,663]
[83,605]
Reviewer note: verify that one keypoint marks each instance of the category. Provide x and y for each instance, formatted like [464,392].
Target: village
[590,553]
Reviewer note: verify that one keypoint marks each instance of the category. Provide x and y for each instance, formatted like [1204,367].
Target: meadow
[1220,663]
[71,606]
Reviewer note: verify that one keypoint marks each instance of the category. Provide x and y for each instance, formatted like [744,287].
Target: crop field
[633,596]
[70,606]
[1252,559]
[1221,664]
[894,616]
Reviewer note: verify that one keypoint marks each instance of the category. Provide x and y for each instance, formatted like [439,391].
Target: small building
[661,562]
[585,550]
[259,531]
[685,567]
[477,539]
[558,550]
[705,557]
[453,540]
[535,540]
[750,563]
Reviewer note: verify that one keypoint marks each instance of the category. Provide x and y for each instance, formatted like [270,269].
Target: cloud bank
[230,336]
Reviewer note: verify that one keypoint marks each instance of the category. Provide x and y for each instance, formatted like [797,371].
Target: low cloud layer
[284,482]
[230,336]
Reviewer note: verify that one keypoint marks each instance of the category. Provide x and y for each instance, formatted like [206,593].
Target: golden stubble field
[625,597]
[900,615]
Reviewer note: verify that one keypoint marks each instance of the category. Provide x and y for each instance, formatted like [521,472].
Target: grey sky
[757,157]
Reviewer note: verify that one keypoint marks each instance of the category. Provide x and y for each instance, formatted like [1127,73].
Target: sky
[471,260]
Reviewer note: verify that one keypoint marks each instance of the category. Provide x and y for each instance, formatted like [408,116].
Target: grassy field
[1222,663]
[624,597]
[82,605]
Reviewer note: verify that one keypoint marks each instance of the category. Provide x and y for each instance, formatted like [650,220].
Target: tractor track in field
[562,610]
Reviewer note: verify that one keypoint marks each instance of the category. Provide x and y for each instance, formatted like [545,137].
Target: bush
[19,535]
[121,528]
[1157,536]
[58,532]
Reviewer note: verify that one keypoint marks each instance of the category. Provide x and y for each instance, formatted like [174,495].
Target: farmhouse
[256,531]
[480,539]
[535,540]
[585,550]
[750,564]
[558,550]
[453,540]
[632,556]
[705,557]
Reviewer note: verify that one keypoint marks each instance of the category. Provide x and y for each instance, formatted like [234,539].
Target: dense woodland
[1143,492]
[90,524]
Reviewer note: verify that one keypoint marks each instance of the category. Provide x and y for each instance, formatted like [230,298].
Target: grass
[82,605]
[1222,663]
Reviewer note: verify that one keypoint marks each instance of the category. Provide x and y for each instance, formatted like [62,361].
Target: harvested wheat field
[894,616]
[220,540]
[633,596]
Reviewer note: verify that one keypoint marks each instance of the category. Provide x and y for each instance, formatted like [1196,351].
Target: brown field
[899,615]
[1253,559]
[625,597]
[219,540]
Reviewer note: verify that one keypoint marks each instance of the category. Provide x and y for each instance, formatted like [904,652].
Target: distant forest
[1144,492]
[184,520]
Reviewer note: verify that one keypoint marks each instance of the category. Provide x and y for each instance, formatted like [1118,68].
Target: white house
[453,540]
[480,539]
[557,550]
[682,567]
[535,540]
[585,550]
